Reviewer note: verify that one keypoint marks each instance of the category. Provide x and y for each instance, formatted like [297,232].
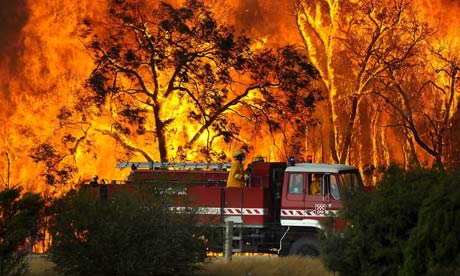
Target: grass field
[239,266]
[39,266]
[266,266]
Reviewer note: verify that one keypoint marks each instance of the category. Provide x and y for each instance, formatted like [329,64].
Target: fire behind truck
[277,211]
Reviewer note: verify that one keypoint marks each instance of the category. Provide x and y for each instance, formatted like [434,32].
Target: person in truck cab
[314,187]
[237,176]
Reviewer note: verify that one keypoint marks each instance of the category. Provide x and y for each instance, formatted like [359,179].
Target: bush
[434,244]
[19,217]
[379,224]
[129,234]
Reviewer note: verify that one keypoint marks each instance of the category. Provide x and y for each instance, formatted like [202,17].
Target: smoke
[265,19]
[13,16]
[442,14]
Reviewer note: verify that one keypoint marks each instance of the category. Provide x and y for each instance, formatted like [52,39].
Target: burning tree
[177,78]
[426,120]
[372,57]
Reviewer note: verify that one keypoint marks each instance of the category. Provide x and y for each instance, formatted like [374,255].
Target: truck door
[313,195]
[317,198]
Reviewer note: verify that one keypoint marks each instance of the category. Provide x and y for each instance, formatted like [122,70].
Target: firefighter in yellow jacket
[237,177]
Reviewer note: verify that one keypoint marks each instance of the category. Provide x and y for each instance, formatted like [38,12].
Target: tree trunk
[160,133]
[349,130]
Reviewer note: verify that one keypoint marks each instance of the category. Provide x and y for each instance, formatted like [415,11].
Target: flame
[44,65]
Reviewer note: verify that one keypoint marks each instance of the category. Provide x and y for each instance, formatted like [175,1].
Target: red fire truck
[277,212]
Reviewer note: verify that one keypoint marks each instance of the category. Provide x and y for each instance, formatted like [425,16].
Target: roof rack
[173,165]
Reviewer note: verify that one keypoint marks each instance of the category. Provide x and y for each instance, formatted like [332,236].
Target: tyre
[306,246]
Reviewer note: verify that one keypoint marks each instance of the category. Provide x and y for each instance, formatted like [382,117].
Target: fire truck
[277,212]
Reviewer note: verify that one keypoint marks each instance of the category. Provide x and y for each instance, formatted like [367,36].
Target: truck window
[334,187]
[296,183]
[351,181]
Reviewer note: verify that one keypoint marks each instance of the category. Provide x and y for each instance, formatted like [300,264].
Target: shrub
[434,244]
[378,224]
[19,217]
[128,234]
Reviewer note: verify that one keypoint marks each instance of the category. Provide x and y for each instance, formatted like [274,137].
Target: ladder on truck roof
[173,165]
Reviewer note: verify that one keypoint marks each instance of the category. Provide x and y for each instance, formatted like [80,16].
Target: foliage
[56,171]
[131,233]
[19,218]
[379,224]
[434,245]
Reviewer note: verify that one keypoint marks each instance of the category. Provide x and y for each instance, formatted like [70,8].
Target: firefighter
[315,185]
[93,182]
[237,176]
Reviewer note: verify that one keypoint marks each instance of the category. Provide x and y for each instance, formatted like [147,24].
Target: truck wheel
[306,246]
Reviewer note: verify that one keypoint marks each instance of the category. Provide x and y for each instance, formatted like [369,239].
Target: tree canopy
[173,79]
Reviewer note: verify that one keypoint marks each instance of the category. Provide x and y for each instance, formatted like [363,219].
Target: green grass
[239,266]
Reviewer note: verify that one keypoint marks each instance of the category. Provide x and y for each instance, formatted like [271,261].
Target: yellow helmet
[237,153]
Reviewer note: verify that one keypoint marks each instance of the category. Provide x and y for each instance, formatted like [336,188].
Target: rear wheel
[306,246]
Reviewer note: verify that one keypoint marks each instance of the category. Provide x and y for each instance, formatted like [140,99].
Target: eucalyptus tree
[173,78]
[356,46]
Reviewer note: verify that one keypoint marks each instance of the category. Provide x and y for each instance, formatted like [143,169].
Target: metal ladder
[174,165]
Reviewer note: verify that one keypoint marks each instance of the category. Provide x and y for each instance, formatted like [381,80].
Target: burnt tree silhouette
[166,72]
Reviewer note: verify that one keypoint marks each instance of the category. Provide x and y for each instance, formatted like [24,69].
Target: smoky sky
[13,16]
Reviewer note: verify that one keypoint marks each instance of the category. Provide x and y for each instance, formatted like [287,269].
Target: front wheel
[306,246]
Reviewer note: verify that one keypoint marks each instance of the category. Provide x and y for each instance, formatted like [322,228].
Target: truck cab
[312,192]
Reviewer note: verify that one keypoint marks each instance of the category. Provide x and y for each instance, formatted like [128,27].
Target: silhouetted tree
[58,170]
[176,74]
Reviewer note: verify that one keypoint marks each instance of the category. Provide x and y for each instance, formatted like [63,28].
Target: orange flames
[44,65]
